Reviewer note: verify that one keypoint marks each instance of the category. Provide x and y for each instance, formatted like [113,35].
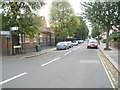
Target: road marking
[109,72]
[113,86]
[50,61]
[68,53]
[5,81]
[115,81]
[112,76]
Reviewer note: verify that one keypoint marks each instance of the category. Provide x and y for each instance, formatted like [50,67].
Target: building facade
[45,37]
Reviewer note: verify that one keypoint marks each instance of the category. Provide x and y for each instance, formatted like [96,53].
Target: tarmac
[112,55]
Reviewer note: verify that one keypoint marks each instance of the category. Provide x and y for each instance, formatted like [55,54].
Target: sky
[74,3]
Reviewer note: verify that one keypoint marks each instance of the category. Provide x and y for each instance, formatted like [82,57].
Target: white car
[70,44]
[62,45]
[75,43]
[81,41]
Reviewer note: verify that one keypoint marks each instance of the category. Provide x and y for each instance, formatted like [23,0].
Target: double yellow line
[109,74]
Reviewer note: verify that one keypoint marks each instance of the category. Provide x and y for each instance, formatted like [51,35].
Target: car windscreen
[93,41]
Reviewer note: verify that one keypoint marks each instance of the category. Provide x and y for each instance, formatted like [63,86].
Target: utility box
[38,48]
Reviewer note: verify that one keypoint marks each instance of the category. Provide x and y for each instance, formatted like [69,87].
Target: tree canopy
[62,19]
[104,14]
[82,30]
[21,14]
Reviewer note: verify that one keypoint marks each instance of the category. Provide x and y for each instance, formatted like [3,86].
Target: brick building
[45,37]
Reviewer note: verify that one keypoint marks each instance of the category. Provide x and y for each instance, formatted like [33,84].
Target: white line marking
[50,61]
[5,81]
[67,53]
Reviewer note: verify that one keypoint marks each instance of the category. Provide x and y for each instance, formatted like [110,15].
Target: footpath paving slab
[111,55]
[28,55]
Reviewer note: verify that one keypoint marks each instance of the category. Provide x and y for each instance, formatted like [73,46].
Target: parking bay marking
[12,78]
[50,61]
[68,53]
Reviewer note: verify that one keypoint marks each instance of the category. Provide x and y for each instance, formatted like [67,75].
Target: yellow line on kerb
[106,71]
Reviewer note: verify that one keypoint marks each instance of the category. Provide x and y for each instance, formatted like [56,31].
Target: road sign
[13,28]
[4,32]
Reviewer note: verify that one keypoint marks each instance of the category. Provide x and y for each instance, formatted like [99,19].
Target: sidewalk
[111,55]
[29,54]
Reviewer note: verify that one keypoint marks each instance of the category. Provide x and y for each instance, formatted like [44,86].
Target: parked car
[70,44]
[75,43]
[62,46]
[80,41]
[92,44]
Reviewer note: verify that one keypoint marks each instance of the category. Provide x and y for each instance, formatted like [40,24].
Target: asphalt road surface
[77,67]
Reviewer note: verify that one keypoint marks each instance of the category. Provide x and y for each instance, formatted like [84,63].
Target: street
[77,67]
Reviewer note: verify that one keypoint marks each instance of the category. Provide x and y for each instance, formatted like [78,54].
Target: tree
[62,19]
[82,30]
[96,31]
[104,14]
[20,14]
[0,22]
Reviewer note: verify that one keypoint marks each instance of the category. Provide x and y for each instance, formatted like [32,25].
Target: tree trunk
[22,40]
[98,39]
[107,41]
[24,43]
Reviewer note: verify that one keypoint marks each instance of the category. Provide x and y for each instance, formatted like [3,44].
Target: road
[77,67]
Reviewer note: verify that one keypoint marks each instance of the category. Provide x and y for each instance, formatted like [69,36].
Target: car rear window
[93,41]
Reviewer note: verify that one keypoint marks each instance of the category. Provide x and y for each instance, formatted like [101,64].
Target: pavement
[112,55]
[29,54]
